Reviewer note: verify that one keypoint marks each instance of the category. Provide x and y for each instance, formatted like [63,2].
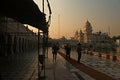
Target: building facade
[118,42]
[15,38]
[86,36]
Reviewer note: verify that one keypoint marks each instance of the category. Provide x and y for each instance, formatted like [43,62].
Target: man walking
[79,49]
[55,49]
[67,50]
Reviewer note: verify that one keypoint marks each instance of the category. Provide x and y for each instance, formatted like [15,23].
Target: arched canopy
[24,11]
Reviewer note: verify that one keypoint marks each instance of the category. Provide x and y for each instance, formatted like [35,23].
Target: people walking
[67,50]
[79,49]
[55,49]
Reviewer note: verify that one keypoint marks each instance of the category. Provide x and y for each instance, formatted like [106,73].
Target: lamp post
[43,5]
[38,53]
[41,58]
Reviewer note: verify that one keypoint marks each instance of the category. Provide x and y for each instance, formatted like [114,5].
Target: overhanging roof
[24,11]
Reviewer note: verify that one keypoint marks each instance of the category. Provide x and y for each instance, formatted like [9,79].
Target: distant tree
[116,37]
[63,37]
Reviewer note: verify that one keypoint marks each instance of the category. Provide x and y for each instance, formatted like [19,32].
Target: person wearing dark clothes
[67,50]
[55,49]
[79,49]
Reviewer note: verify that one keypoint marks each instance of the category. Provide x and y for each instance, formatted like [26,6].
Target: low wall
[105,56]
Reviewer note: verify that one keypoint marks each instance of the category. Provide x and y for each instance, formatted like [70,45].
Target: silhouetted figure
[67,50]
[79,49]
[55,49]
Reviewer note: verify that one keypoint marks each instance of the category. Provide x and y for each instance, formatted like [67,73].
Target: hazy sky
[71,15]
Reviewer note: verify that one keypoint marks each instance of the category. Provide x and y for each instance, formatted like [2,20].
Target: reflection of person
[68,50]
[79,49]
[55,49]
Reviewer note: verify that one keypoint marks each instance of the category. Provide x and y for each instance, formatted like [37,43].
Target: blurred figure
[79,49]
[55,49]
[67,50]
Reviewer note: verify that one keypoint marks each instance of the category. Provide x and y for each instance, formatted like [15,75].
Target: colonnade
[13,44]
[15,38]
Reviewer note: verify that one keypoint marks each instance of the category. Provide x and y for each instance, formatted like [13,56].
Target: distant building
[64,40]
[118,42]
[86,36]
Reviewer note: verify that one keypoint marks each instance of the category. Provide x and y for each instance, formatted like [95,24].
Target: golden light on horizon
[74,13]
[33,28]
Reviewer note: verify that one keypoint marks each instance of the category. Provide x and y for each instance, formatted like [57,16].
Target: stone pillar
[9,45]
[6,45]
[23,45]
[12,44]
[19,42]
[16,45]
[2,44]
[26,45]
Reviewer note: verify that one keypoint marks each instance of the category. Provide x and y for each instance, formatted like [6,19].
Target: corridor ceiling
[24,11]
